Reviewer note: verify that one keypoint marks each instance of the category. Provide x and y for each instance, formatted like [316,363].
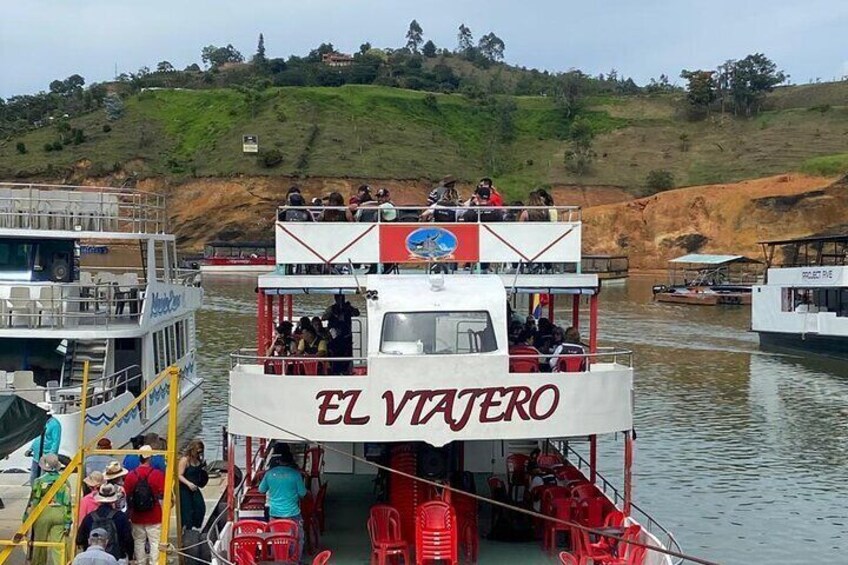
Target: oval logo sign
[431,243]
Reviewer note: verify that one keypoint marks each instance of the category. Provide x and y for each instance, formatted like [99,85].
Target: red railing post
[231,477]
[575,312]
[551,298]
[628,465]
[593,458]
[260,323]
[593,324]
[269,320]
[248,448]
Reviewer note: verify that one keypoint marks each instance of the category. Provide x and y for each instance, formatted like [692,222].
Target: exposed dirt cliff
[724,218]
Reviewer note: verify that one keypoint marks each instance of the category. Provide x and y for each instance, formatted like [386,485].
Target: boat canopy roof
[842,237]
[706,259]
[241,244]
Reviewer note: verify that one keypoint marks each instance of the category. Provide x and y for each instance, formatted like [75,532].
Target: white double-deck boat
[803,304]
[432,387]
[88,278]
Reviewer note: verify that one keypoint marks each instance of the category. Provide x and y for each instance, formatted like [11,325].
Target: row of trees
[737,85]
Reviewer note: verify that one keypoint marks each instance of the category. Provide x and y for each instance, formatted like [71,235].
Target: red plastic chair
[313,464]
[551,493]
[436,536]
[243,527]
[319,506]
[592,512]
[516,473]
[386,539]
[322,558]
[243,556]
[311,531]
[566,558]
[586,550]
[560,508]
[282,548]
[523,359]
[584,490]
[614,519]
[549,461]
[284,526]
[469,531]
[571,364]
[247,544]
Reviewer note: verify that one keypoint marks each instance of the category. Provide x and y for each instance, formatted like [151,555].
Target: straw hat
[145,452]
[113,471]
[50,462]
[94,479]
[107,493]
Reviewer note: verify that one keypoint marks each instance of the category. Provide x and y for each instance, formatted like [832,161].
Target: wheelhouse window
[437,333]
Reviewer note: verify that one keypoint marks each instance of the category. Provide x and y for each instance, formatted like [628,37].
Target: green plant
[58,145]
[107,128]
[48,147]
[269,158]
[659,179]
[21,147]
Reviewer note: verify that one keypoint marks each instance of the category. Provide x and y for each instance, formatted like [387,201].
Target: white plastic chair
[20,302]
[50,304]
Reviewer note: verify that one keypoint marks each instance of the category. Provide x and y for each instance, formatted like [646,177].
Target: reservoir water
[742,454]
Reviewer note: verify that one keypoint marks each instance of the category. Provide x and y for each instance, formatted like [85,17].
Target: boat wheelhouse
[232,257]
[88,282]
[803,303]
[434,386]
[709,280]
[608,267]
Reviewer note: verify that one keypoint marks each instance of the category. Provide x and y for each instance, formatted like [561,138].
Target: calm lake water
[742,454]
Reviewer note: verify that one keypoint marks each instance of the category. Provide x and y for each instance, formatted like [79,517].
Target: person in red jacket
[145,487]
[495,200]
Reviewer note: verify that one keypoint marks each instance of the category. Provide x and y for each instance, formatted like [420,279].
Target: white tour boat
[803,304]
[431,387]
[88,275]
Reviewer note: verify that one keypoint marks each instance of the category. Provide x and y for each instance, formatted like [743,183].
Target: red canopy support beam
[551,301]
[628,478]
[291,308]
[260,323]
[231,479]
[593,324]
[248,467]
[269,322]
[593,458]
[575,311]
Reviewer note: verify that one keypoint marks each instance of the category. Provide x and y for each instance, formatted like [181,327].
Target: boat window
[15,258]
[437,333]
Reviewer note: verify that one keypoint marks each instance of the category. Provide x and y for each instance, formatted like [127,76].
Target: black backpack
[142,498]
[107,523]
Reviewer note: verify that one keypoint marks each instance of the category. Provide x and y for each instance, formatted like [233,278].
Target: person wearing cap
[296,210]
[96,553]
[146,524]
[87,503]
[55,521]
[496,199]
[98,462]
[447,183]
[48,442]
[132,461]
[363,194]
[106,518]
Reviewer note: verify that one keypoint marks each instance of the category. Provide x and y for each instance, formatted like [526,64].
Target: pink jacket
[87,505]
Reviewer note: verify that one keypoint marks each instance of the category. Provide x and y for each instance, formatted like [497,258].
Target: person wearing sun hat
[109,519]
[115,473]
[47,442]
[87,503]
[55,521]
[145,487]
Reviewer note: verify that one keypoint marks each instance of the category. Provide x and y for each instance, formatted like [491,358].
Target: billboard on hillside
[250,143]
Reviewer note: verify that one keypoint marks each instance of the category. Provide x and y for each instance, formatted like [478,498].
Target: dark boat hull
[831,346]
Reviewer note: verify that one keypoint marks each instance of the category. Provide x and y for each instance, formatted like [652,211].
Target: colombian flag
[539,302]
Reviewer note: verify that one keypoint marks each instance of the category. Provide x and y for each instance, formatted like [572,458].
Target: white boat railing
[663,535]
[81,208]
[464,214]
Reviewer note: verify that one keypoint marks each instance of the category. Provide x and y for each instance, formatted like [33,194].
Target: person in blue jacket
[46,443]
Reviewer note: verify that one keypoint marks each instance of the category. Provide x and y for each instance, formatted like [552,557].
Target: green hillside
[379,132]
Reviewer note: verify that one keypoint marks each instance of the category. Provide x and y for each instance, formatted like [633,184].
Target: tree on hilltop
[579,158]
[751,79]
[465,41]
[491,46]
[700,90]
[259,59]
[429,49]
[164,67]
[414,36]
[214,57]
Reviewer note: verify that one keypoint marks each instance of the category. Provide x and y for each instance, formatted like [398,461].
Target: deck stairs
[79,351]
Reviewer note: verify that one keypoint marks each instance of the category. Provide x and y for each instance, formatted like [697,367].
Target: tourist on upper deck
[341,310]
[363,194]
[283,332]
[339,345]
[302,324]
[193,477]
[496,198]
[549,201]
[317,208]
[285,486]
[336,210]
[319,328]
[537,211]
[544,335]
[447,183]
[366,208]
[571,345]
[482,199]
[311,344]
[296,210]
[445,210]
[387,208]
[119,540]
[513,212]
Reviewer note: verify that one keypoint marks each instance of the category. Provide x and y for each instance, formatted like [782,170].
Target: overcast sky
[41,40]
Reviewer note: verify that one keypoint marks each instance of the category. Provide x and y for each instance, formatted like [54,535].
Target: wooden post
[628,476]
[593,458]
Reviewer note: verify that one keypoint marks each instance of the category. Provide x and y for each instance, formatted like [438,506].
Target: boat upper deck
[81,212]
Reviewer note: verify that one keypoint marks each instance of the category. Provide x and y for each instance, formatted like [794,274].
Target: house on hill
[336,59]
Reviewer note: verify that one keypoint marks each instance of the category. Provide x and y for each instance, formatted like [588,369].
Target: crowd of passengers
[544,347]
[329,335]
[444,205]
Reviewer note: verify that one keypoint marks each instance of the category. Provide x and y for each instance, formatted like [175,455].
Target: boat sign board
[417,408]
[250,143]
[809,277]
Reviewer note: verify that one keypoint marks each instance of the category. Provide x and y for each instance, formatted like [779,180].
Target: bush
[430,101]
[107,128]
[21,147]
[269,158]
[78,136]
[48,147]
[659,179]
[58,145]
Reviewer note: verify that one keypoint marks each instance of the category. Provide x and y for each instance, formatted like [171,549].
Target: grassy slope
[376,132]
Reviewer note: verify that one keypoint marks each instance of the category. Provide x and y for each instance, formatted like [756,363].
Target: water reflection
[742,454]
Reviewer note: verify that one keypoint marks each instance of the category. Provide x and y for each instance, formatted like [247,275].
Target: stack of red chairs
[405,494]
[311,528]
[436,535]
[560,509]
[313,465]
[247,548]
[516,473]
[526,359]
[624,554]
[469,536]
[282,548]
[319,507]
[548,461]
[386,538]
